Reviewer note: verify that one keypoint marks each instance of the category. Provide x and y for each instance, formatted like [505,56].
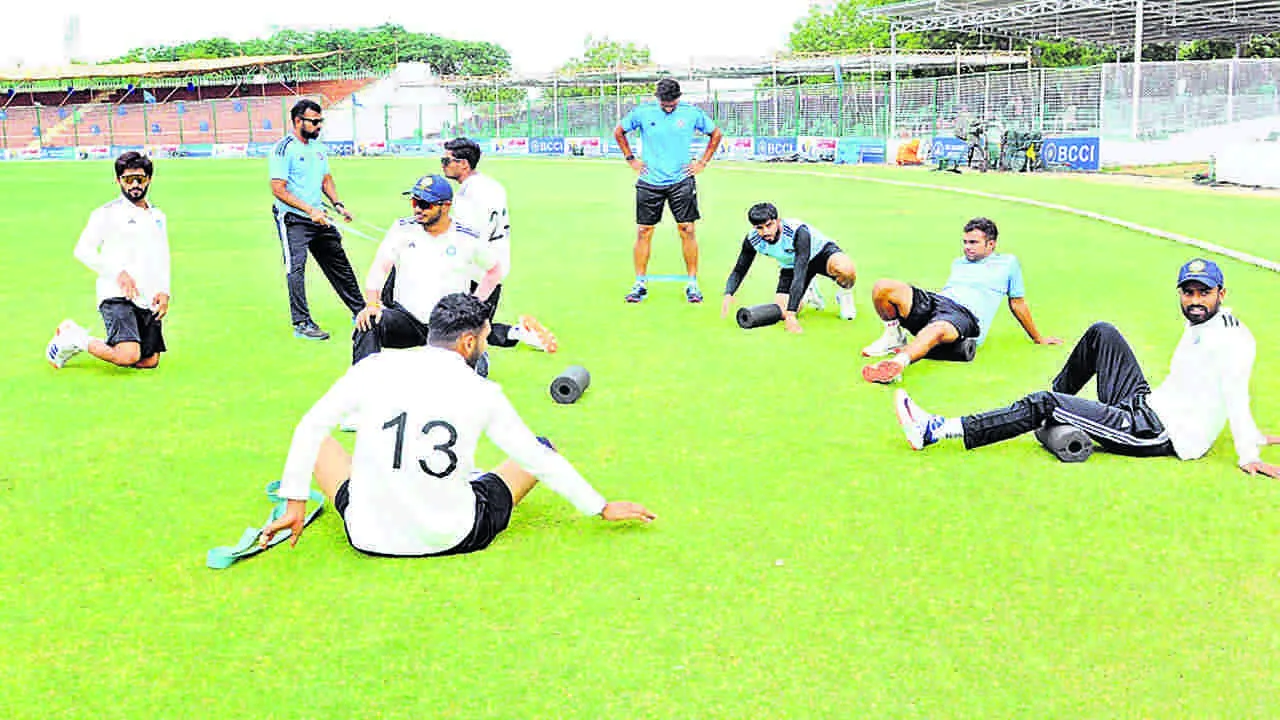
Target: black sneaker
[309,331]
[638,293]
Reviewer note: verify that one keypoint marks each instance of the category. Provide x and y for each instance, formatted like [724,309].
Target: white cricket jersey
[122,236]
[428,267]
[482,202]
[1207,387]
[419,414]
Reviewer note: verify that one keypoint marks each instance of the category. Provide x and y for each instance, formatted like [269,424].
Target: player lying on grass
[791,242]
[963,308]
[126,242]
[1207,387]
[410,489]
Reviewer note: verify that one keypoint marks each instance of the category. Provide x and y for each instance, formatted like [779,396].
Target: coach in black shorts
[666,130]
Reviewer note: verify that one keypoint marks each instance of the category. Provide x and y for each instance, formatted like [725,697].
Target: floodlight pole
[893,83]
[1137,69]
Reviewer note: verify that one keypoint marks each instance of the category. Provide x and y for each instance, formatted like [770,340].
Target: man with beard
[411,489]
[126,242]
[1207,387]
[433,255]
[300,181]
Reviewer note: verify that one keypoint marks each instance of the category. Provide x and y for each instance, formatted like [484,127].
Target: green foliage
[378,48]
[603,54]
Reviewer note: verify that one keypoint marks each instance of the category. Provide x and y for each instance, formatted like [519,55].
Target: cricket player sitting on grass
[411,488]
[961,310]
[126,242]
[1207,388]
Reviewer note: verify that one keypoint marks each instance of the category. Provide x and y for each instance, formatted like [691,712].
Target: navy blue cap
[1201,271]
[431,189]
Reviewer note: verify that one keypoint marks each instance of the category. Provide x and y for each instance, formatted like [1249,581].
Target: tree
[605,54]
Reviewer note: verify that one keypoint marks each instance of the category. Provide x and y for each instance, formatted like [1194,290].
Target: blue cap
[431,189]
[1201,271]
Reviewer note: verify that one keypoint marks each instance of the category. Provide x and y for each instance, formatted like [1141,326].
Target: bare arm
[280,188]
[712,145]
[1022,311]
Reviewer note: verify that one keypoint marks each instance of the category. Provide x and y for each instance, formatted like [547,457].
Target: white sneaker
[62,347]
[920,427]
[813,296]
[844,298]
[893,339]
[535,335]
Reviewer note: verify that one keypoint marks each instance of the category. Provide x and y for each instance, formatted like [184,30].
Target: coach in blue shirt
[666,176]
[300,181]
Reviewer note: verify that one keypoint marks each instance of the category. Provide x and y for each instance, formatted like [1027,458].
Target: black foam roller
[759,316]
[958,351]
[570,384]
[1067,443]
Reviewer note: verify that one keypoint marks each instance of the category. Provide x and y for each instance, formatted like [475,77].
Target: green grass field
[805,562]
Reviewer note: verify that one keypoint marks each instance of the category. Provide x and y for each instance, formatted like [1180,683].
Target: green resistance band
[223,557]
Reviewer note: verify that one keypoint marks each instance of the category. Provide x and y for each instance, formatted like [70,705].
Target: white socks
[951,428]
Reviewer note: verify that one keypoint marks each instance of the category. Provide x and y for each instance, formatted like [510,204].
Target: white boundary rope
[1184,239]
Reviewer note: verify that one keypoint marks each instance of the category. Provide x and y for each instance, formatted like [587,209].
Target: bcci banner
[735,148]
[948,148]
[774,147]
[511,146]
[58,153]
[1079,153]
[546,146]
[257,150]
[585,146]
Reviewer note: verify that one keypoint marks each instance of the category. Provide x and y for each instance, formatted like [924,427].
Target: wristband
[629,158]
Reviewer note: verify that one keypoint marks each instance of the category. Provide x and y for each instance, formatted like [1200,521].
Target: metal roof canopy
[870,60]
[1102,22]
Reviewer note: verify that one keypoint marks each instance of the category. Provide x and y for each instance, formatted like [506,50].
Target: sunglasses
[424,205]
[447,160]
[313,121]
[134,179]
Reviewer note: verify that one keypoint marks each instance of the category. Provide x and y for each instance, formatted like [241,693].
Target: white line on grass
[1156,232]
[1184,239]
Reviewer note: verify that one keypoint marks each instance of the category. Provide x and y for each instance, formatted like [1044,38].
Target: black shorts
[494,297]
[682,197]
[928,307]
[817,266]
[126,322]
[493,511]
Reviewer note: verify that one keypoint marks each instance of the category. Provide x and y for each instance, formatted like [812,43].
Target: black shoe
[309,331]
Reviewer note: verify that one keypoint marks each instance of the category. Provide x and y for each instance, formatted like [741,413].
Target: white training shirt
[428,267]
[419,413]
[1207,387]
[122,236]
[481,202]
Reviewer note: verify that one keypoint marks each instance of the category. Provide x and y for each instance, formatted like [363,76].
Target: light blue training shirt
[303,166]
[665,139]
[982,286]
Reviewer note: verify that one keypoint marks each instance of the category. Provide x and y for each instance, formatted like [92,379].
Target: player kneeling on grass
[964,308]
[1207,387]
[792,242]
[410,489]
[126,243]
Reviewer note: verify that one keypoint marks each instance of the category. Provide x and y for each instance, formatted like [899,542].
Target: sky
[539,36]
